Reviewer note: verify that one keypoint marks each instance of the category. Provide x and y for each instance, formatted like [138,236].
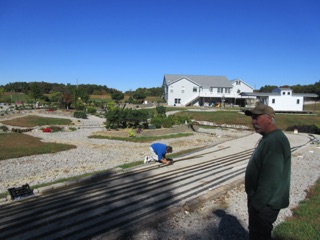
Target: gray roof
[203,81]
[305,95]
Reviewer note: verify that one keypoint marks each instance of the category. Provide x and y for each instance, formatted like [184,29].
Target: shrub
[122,118]
[4,128]
[72,128]
[80,114]
[305,129]
[17,130]
[161,109]
[157,122]
[91,110]
[55,129]
[167,123]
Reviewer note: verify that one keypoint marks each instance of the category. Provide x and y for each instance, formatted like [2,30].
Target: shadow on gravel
[229,227]
[108,208]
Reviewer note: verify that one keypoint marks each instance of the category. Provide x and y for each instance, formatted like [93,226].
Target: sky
[130,44]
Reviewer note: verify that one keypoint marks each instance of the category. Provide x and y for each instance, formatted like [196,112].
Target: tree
[139,95]
[67,100]
[267,88]
[1,92]
[117,96]
[134,118]
[114,118]
[35,91]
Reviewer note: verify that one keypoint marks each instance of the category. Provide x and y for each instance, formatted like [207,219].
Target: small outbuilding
[280,99]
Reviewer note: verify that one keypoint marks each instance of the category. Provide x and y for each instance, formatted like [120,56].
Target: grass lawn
[283,121]
[33,120]
[142,139]
[19,145]
[305,222]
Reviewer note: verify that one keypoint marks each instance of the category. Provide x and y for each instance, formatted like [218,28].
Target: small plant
[72,128]
[131,133]
[55,129]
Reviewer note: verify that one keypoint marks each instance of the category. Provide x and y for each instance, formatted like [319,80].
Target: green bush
[91,110]
[178,120]
[157,121]
[123,118]
[161,110]
[80,114]
[167,123]
[4,128]
[55,128]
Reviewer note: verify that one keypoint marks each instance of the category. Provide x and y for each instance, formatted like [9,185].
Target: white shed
[282,99]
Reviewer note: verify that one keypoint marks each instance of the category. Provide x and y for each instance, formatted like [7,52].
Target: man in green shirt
[267,178]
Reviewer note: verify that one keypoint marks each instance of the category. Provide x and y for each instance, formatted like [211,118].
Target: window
[195,89]
[298,101]
[211,89]
[220,90]
[283,93]
[273,100]
[227,90]
[238,82]
[182,90]
[171,89]
[288,93]
[177,100]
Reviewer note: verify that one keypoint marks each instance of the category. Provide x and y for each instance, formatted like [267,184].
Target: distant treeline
[90,89]
[311,88]
[93,89]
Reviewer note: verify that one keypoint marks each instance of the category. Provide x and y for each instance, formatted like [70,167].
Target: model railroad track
[116,205]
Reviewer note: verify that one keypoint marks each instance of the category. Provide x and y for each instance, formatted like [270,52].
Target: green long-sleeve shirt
[267,178]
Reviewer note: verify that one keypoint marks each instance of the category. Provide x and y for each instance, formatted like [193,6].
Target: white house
[197,90]
[280,99]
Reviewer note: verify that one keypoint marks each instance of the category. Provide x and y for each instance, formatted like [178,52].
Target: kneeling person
[158,153]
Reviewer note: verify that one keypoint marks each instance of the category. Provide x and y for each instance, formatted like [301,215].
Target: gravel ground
[91,154]
[226,218]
